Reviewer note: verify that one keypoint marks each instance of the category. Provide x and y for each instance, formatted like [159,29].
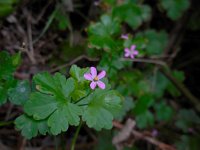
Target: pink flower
[92,76]
[124,36]
[132,52]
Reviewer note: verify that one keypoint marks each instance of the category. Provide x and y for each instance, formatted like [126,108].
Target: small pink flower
[132,52]
[92,76]
[124,36]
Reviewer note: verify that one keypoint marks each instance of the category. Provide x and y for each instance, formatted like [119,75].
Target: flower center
[96,78]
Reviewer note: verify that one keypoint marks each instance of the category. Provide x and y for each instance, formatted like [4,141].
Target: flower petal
[124,36]
[93,85]
[88,76]
[101,75]
[133,47]
[127,52]
[132,56]
[93,72]
[101,84]
[135,52]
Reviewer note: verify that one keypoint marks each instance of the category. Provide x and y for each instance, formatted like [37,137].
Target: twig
[151,61]
[151,140]
[73,62]
[22,143]
[176,35]
[30,41]
[181,87]
[39,17]
[9,112]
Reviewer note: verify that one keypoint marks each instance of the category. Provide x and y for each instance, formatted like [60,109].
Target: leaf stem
[82,98]
[75,136]
[6,123]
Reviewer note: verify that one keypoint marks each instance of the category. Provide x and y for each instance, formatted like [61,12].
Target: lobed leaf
[30,127]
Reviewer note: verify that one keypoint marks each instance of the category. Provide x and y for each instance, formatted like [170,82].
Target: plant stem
[82,98]
[6,123]
[183,89]
[75,136]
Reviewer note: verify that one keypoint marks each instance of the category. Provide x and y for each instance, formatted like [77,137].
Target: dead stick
[151,140]
[73,62]
[181,87]
[144,60]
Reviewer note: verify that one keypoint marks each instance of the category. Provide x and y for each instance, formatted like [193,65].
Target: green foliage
[20,93]
[127,105]
[188,143]
[102,106]
[62,19]
[163,111]
[153,46]
[186,119]
[60,102]
[145,120]
[179,75]
[9,64]
[100,33]
[30,127]
[142,104]
[57,102]
[53,101]
[175,8]
[105,141]
[132,14]
[7,69]
[7,7]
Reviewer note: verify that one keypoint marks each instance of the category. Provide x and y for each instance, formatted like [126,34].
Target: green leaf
[132,14]
[102,106]
[30,127]
[56,85]
[20,94]
[145,119]
[163,112]
[40,106]
[81,84]
[105,28]
[63,116]
[63,20]
[175,8]
[127,105]
[106,43]
[159,84]
[16,59]
[6,68]
[186,119]
[101,32]
[7,7]
[153,45]
[142,104]
[5,85]
[53,102]
[179,75]
[58,122]
[77,73]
